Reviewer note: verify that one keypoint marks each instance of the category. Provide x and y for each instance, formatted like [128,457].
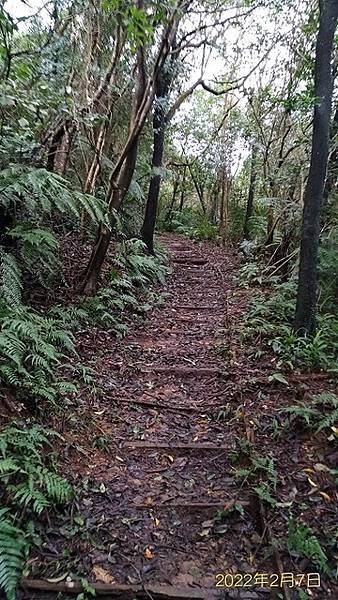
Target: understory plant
[29,485]
[269,323]
[192,223]
[320,412]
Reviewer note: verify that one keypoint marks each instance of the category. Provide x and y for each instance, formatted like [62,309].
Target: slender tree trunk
[122,173]
[101,245]
[59,150]
[159,124]
[305,317]
[223,225]
[93,170]
[198,189]
[173,199]
[251,193]
[214,202]
[183,189]
[119,182]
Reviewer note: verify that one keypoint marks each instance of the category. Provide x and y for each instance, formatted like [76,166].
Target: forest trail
[170,446]
[167,474]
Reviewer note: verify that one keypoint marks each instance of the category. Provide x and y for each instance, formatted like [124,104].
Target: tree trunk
[100,248]
[214,202]
[60,146]
[251,193]
[173,199]
[305,317]
[118,184]
[182,189]
[332,167]
[94,170]
[159,124]
[122,173]
[198,188]
[223,225]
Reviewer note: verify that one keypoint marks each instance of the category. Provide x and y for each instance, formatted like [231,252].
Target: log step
[225,505]
[125,592]
[189,261]
[155,445]
[185,371]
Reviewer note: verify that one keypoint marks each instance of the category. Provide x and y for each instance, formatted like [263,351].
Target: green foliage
[328,271]
[13,551]
[135,270]
[28,485]
[302,541]
[32,348]
[38,250]
[36,193]
[35,196]
[142,269]
[10,280]
[320,413]
[270,319]
[252,273]
[192,223]
[104,307]
[261,468]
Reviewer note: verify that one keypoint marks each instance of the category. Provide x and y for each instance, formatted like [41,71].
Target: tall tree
[159,122]
[305,317]
[251,191]
[123,170]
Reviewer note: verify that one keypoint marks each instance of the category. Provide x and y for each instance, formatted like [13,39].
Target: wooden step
[154,445]
[185,371]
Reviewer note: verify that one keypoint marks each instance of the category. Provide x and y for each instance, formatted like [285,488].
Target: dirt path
[173,419]
[171,472]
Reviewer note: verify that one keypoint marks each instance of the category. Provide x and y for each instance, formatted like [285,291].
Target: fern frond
[13,547]
[329,421]
[58,489]
[10,279]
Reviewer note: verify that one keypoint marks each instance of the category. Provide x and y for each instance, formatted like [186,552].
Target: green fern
[13,550]
[38,250]
[36,191]
[303,542]
[314,415]
[141,268]
[32,348]
[10,279]
[27,483]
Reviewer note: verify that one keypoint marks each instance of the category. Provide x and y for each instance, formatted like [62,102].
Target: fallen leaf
[148,553]
[102,575]
[326,496]
[320,467]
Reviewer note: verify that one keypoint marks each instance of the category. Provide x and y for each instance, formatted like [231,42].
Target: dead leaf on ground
[102,575]
[148,553]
